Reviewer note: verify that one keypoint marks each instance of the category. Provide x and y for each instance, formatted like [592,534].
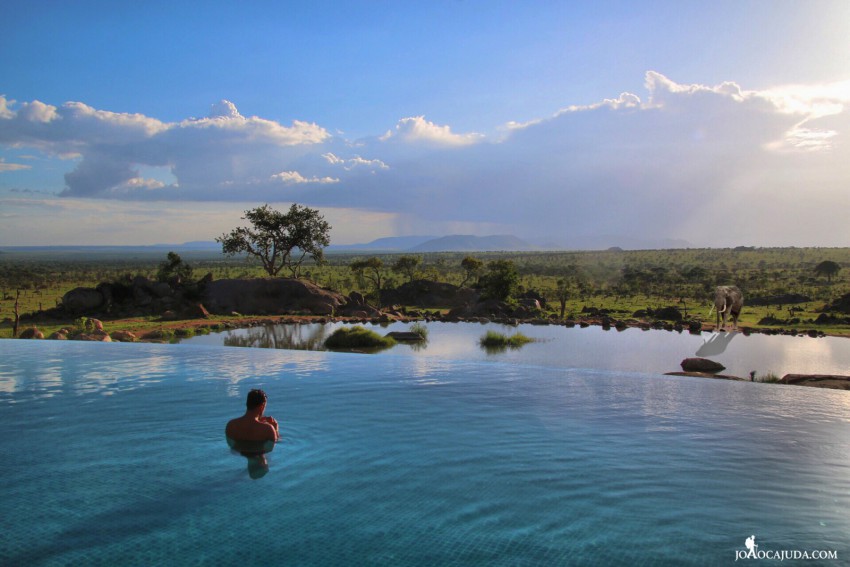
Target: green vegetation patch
[420,329]
[357,337]
[497,340]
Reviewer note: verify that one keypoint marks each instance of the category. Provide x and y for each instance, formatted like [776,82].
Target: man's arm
[272,422]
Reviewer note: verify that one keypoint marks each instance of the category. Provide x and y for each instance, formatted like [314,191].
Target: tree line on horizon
[277,242]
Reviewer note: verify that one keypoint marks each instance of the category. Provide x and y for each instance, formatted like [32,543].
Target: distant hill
[470,243]
[388,244]
[452,243]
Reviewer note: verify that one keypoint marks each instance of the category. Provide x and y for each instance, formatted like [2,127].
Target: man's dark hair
[255,399]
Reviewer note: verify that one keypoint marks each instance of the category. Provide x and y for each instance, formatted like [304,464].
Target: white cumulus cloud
[417,129]
[295,178]
[711,164]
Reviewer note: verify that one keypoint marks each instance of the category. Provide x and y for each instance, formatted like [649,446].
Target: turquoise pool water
[114,454]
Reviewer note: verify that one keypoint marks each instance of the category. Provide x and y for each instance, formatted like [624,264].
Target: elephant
[728,300]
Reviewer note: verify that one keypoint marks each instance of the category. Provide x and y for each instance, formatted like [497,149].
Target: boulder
[161,289]
[429,293]
[31,333]
[841,305]
[100,336]
[405,336]
[123,336]
[276,296]
[196,311]
[667,314]
[82,300]
[701,365]
[60,335]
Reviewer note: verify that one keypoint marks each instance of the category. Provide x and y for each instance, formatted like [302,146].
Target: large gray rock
[428,293]
[270,296]
[701,365]
[82,300]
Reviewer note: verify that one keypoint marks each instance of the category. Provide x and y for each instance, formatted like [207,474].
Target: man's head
[256,398]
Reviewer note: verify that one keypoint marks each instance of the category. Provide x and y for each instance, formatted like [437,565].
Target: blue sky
[580,124]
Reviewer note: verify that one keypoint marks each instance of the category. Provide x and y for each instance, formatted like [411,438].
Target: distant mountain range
[453,243]
[501,243]
[402,244]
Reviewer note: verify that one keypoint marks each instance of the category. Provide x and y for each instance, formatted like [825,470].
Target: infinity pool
[114,454]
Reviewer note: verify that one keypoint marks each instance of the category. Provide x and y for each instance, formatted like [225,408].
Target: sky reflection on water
[629,350]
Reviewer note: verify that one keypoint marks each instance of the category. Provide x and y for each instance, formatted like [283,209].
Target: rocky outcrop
[701,365]
[490,308]
[833,381]
[427,293]
[130,296]
[840,305]
[270,296]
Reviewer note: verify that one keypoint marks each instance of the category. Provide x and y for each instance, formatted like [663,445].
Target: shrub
[497,340]
[420,329]
[357,337]
[769,378]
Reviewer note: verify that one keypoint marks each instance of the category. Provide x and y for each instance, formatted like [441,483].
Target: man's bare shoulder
[245,429]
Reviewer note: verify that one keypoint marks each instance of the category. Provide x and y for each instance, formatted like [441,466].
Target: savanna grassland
[620,281]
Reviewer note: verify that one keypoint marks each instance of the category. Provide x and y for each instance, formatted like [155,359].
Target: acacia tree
[370,269]
[827,268]
[407,265]
[472,268]
[280,240]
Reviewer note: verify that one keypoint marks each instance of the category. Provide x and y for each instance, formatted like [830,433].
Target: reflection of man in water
[253,426]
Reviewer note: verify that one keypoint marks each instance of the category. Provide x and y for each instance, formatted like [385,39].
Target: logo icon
[752,546]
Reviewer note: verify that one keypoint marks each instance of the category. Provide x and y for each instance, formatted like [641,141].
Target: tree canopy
[472,268]
[827,268]
[501,280]
[407,265]
[370,269]
[174,266]
[280,240]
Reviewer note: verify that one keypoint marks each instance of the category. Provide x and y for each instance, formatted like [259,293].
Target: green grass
[623,282]
[357,337]
[497,340]
[769,378]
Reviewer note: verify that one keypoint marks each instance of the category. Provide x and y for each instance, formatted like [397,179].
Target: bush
[769,378]
[497,340]
[420,329]
[357,337]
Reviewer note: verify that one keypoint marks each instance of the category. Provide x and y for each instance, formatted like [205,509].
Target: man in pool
[253,426]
